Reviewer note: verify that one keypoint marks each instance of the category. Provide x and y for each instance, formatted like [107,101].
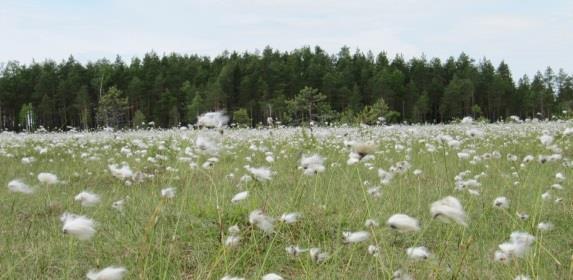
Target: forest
[293,87]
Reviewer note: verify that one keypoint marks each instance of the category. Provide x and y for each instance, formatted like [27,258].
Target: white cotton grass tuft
[312,164]
[212,120]
[208,164]
[373,250]
[546,139]
[522,277]
[269,159]
[546,196]
[47,178]
[418,253]
[207,145]
[371,223]
[295,251]
[124,172]
[87,199]
[473,192]
[240,196]
[449,209]
[233,241]
[234,230]
[361,152]
[364,148]
[355,237]
[522,216]
[385,176]
[545,226]
[403,223]
[375,192]
[467,120]
[401,275]
[272,276]
[501,202]
[245,179]
[118,205]
[262,221]
[557,187]
[317,255]
[168,192]
[19,186]
[260,173]
[517,247]
[290,218]
[28,160]
[108,273]
[79,226]
[228,277]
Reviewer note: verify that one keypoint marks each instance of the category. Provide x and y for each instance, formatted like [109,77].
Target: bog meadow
[286,140]
[461,201]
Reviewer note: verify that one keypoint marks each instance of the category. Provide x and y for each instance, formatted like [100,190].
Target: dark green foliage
[111,109]
[138,119]
[241,118]
[174,89]
[372,114]
[308,105]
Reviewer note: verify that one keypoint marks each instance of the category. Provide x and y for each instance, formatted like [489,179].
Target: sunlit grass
[181,238]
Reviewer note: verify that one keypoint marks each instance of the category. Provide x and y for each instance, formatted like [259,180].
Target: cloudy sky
[528,34]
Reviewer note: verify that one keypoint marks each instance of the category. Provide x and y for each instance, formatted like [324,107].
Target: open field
[186,236]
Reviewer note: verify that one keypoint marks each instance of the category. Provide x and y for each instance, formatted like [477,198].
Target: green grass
[180,238]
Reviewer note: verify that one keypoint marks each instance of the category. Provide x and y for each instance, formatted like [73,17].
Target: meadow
[162,204]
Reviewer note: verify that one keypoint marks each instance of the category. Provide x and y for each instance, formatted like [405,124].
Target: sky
[529,35]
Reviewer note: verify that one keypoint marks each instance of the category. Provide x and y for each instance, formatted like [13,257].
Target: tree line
[291,87]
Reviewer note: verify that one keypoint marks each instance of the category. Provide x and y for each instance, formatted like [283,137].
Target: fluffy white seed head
[168,192]
[124,172]
[233,241]
[228,277]
[501,202]
[234,230]
[401,275]
[19,186]
[212,120]
[272,276]
[47,178]
[108,273]
[294,250]
[418,253]
[317,255]
[355,237]
[373,250]
[449,209]
[260,173]
[262,221]
[371,223]
[118,205]
[87,199]
[290,218]
[79,226]
[403,223]
[375,191]
[240,196]
[517,246]
[545,226]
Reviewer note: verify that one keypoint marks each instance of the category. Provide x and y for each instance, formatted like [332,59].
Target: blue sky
[529,35]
